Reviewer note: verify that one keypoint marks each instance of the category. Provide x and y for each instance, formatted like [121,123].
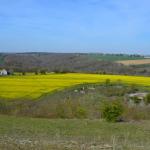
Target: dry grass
[135,62]
[74,134]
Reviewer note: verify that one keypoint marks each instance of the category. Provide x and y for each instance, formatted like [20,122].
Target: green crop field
[34,86]
[113,57]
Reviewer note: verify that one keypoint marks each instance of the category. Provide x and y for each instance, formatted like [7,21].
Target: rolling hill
[71,62]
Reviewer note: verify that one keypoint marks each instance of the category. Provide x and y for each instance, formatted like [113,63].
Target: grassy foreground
[34,86]
[29,133]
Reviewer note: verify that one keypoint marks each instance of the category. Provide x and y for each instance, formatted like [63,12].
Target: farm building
[3,72]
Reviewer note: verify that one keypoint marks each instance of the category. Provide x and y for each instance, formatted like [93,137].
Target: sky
[108,26]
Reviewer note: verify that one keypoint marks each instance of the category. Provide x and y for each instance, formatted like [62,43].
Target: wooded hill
[72,62]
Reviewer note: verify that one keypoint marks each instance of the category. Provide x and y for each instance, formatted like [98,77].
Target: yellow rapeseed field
[34,86]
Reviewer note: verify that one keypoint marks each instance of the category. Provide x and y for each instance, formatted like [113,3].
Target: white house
[3,72]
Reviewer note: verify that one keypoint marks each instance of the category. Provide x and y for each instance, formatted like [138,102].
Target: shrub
[43,71]
[132,89]
[136,100]
[137,113]
[60,111]
[23,73]
[10,72]
[3,107]
[107,82]
[69,109]
[65,109]
[81,112]
[147,99]
[36,72]
[112,110]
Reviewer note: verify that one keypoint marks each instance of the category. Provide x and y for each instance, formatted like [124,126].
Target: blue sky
[110,26]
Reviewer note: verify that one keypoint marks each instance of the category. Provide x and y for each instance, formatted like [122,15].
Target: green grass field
[73,134]
[113,57]
[34,86]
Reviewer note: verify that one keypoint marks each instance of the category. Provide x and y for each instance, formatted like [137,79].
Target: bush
[69,109]
[132,89]
[3,108]
[64,109]
[136,100]
[136,113]
[147,99]
[36,72]
[43,71]
[81,112]
[112,110]
[107,82]
[60,111]
[23,73]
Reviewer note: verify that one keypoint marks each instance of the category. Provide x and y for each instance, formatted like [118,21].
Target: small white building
[3,72]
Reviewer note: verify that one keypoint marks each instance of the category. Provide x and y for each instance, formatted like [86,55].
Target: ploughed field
[34,86]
